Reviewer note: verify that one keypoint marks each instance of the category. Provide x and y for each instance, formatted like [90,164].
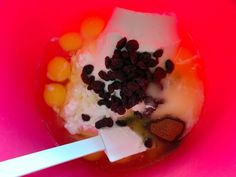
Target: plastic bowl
[27,26]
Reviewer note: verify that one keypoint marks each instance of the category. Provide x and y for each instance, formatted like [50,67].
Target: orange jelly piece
[54,94]
[70,42]
[59,69]
[92,27]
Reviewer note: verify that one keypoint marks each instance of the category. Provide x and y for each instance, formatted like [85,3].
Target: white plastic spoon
[118,143]
[47,158]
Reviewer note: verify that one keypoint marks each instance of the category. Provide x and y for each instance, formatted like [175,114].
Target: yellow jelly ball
[70,42]
[59,69]
[92,27]
[54,94]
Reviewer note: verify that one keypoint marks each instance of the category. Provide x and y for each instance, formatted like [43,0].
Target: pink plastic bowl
[26,27]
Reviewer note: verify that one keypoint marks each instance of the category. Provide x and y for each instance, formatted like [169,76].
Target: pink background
[26,26]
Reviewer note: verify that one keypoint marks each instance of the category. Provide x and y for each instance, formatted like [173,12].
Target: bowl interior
[26,28]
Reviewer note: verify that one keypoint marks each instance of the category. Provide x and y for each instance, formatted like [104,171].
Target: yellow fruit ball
[95,156]
[54,94]
[92,27]
[70,42]
[59,69]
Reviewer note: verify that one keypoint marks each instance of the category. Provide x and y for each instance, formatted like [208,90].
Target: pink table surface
[26,26]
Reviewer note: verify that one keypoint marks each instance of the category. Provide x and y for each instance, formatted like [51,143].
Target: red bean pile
[130,73]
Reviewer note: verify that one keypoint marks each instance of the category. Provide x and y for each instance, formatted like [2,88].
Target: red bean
[88,69]
[148,142]
[132,45]
[85,117]
[158,53]
[169,65]
[121,43]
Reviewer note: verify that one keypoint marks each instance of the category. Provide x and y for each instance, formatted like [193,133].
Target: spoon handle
[50,157]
